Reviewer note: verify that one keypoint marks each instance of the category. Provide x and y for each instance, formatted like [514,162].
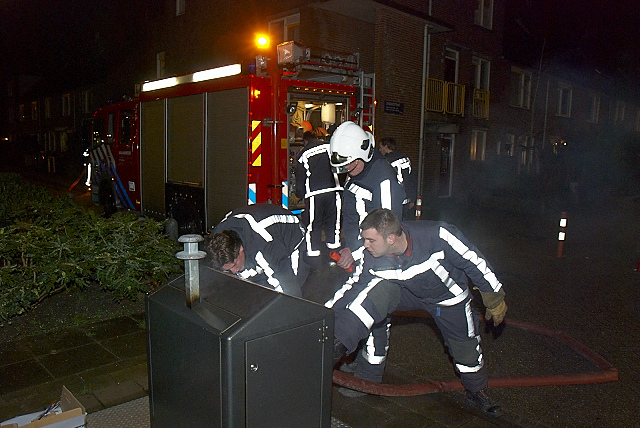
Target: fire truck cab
[193,147]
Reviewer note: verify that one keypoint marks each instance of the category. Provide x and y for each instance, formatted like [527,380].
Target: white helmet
[348,143]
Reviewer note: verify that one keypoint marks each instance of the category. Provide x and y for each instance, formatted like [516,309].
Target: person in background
[402,164]
[318,185]
[422,265]
[261,243]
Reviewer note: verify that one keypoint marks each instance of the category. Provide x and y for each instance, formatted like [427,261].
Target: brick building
[475,120]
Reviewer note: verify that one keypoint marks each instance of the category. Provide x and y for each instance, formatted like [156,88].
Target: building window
[66,104]
[638,121]
[481,68]
[451,60]
[506,147]
[10,89]
[50,141]
[526,151]
[34,110]
[594,109]
[180,7]
[478,144]
[86,102]
[564,100]
[285,29]
[21,116]
[483,15]
[64,141]
[618,111]
[47,108]
[160,64]
[520,95]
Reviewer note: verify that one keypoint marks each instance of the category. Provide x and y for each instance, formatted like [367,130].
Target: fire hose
[606,372]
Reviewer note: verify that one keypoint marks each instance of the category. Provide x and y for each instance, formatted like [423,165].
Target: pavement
[587,295]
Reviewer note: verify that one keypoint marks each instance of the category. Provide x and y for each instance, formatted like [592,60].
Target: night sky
[605,32]
[81,38]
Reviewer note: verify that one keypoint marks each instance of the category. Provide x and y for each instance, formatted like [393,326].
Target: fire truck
[194,146]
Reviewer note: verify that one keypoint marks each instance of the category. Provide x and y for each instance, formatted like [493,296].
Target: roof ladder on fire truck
[366,83]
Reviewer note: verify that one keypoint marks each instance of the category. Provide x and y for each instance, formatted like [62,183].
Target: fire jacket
[313,171]
[271,237]
[375,187]
[406,175]
[435,268]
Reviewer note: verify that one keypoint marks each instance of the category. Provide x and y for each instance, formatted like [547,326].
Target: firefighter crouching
[261,243]
[421,265]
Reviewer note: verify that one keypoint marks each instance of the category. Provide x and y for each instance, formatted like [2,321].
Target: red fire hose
[607,372]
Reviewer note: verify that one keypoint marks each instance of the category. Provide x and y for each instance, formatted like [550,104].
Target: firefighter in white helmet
[371,183]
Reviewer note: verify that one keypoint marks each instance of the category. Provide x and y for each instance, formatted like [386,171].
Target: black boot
[482,401]
[338,351]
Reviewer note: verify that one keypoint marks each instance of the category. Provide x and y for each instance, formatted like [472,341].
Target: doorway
[446,165]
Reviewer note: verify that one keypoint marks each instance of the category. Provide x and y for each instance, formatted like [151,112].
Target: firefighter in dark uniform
[321,190]
[422,265]
[261,243]
[406,176]
[371,183]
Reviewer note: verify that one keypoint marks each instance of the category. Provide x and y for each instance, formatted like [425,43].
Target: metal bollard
[419,207]
[191,255]
[562,234]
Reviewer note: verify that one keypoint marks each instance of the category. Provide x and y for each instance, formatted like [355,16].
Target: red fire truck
[192,147]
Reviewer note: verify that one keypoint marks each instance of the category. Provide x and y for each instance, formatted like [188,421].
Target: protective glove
[496,308]
[497,313]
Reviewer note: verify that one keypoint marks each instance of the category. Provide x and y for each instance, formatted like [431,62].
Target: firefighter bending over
[421,265]
[262,244]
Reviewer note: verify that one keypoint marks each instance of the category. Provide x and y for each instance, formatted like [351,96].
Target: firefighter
[371,183]
[402,164]
[422,265]
[322,193]
[261,243]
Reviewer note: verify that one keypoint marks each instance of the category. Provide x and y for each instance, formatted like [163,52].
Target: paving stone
[90,402]
[21,375]
[119,393]
[76,360]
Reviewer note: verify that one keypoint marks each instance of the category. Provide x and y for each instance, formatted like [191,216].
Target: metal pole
[191,256]
[561,234]
[426,51]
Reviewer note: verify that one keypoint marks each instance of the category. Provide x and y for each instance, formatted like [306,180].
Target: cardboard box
[69,414]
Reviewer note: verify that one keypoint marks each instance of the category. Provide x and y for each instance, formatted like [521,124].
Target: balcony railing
[445,97]
[480,103]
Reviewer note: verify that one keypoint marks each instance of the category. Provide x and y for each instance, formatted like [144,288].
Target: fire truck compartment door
[152,155]
[185,140]
[227,156]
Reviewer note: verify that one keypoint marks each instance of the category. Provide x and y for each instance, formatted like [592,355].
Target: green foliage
[49,244]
